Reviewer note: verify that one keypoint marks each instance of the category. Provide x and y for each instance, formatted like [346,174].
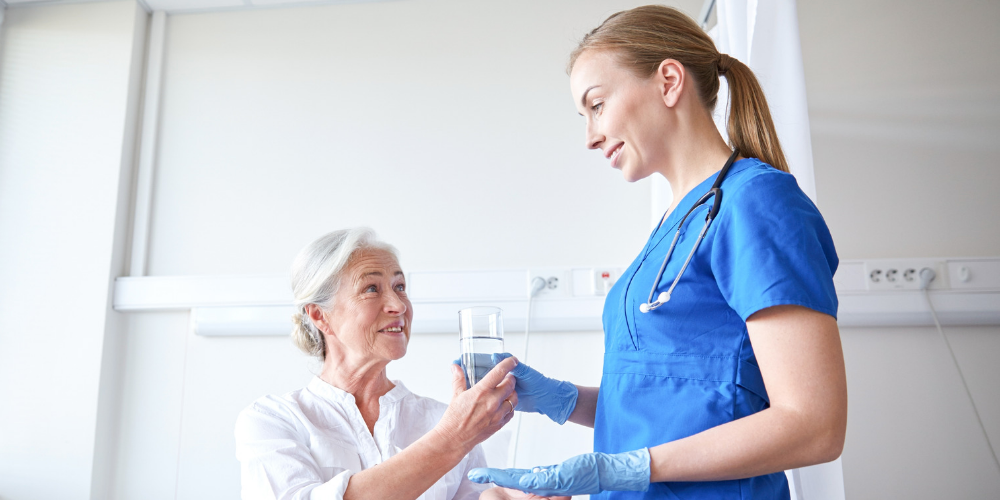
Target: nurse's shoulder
[756,185]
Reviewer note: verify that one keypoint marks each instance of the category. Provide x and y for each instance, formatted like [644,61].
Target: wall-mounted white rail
[966,292]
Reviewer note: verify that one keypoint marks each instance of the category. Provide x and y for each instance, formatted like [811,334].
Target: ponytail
[645,36]
[750,128]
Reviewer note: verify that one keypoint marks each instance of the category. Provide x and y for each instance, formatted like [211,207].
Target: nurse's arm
[586,406]
[802,362]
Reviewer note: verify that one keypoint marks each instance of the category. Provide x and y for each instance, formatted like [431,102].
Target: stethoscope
[715,192]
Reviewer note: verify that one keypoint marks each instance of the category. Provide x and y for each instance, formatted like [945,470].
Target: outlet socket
[903,274]
[604,279]
[557,282]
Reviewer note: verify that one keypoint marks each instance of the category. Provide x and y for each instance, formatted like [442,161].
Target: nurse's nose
[594,139]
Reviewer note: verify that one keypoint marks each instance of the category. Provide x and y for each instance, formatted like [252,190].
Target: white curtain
[764,35]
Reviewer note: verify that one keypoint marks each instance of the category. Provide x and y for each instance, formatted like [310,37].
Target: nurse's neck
[696,151]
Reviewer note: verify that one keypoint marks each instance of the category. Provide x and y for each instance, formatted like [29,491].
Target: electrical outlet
[557,282]
[903,274]
[604,279]
[592,281]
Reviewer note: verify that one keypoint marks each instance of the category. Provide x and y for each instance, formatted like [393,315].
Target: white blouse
[307,443]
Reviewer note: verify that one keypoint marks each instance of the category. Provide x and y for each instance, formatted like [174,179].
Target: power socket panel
[558,282]
[904,274]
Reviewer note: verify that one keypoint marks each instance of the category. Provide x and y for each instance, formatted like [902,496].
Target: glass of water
[481,335]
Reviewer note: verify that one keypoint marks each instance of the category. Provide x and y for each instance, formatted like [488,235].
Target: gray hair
[316,275]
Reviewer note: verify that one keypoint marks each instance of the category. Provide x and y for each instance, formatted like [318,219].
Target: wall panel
[65,151]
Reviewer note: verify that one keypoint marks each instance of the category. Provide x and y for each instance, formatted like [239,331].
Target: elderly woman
[352,433]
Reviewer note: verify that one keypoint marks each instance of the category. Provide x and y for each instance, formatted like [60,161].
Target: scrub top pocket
[751,395]
[633,326]
[619,316]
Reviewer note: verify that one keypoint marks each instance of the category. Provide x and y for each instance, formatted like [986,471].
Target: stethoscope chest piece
[662,299]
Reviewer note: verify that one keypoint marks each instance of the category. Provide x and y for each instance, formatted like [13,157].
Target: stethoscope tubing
[716,192]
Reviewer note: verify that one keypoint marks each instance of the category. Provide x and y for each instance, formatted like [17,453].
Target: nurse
[737,375]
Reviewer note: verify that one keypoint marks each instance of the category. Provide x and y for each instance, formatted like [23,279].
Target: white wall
[65,155]
[445,125]
[905,112]
[911,429]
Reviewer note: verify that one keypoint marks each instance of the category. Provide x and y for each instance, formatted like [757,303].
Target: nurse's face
[371,315]
[626,116]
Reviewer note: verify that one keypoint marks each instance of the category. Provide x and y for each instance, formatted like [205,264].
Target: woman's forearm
[586,406]
[773,440]
[410,473]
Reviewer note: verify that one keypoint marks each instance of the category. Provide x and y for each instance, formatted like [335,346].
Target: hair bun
[306,336]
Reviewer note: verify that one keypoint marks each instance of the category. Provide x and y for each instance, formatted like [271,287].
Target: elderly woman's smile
[393,329]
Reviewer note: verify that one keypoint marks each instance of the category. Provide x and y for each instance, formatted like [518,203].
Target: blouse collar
[334,394]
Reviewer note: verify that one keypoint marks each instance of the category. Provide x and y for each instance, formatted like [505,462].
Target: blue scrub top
[688,366]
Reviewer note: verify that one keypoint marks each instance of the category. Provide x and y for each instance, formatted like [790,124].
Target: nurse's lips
[614,153]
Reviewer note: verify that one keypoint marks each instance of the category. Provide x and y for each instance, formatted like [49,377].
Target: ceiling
[190,6]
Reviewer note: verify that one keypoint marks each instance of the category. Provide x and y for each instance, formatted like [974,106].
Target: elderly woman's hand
[475,414]
[508,494]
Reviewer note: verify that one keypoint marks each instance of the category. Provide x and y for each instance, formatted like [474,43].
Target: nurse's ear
[670,78]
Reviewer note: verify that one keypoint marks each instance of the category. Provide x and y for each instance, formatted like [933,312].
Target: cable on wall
[927,275]
[537,284]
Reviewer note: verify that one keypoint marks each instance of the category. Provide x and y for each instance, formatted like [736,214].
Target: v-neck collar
[687,201]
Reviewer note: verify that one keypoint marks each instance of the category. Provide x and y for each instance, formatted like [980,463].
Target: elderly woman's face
[371,314]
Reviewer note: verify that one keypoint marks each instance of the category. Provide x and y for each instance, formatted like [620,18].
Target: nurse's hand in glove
[590,473]
[508,494]
[537,393]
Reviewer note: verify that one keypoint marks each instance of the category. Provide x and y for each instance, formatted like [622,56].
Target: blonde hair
[643,37]
[316,275]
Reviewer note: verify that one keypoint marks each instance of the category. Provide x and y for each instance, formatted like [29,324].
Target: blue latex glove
[535,392]
[586,474]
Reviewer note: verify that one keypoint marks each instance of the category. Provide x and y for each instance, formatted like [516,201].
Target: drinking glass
[480,335]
